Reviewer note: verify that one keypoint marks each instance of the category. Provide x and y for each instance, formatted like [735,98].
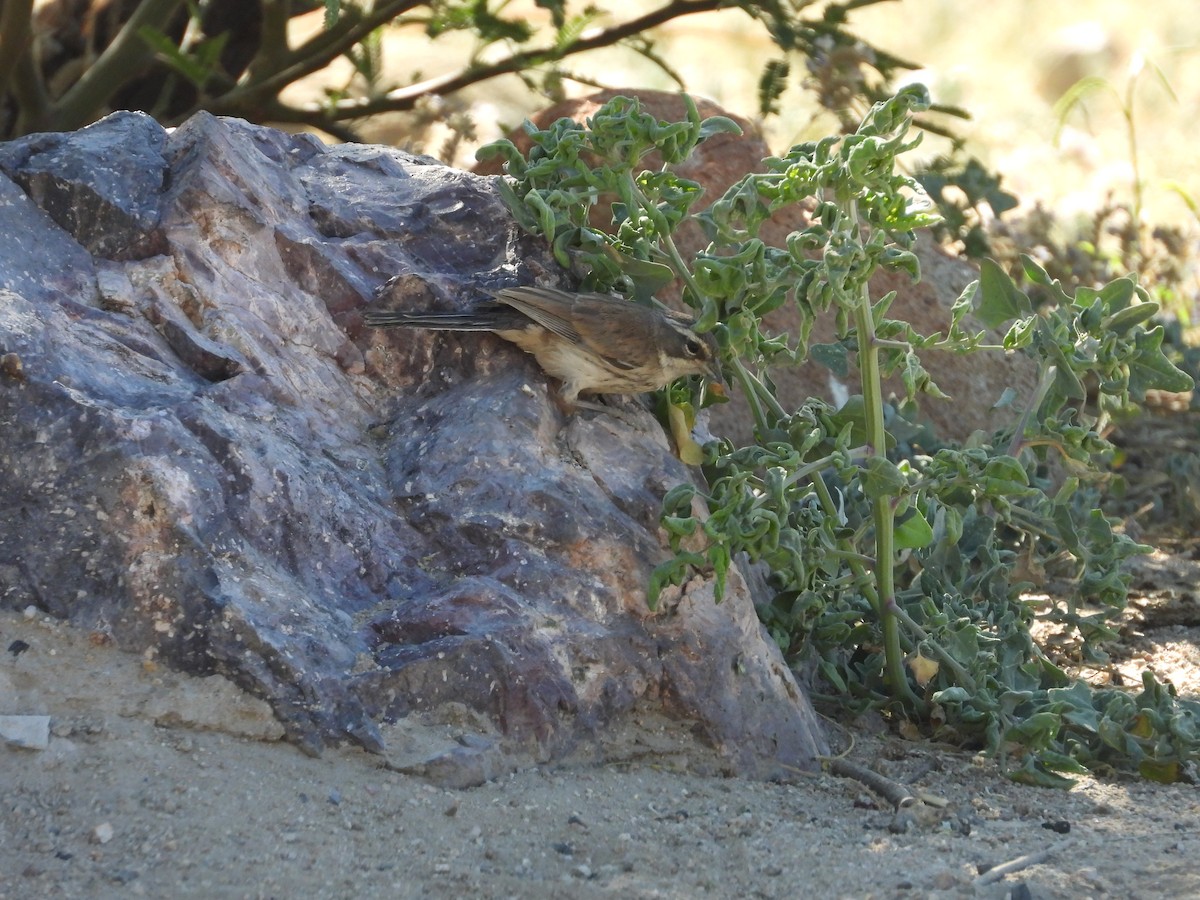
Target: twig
[895,793]
[995,873]
[314,118]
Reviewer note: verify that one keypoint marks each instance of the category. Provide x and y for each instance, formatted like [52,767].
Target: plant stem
[1135,164]
[882,511]
[747,382]
[1035,402]
[858,564]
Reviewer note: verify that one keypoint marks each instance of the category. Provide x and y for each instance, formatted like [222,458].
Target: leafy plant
[902,573]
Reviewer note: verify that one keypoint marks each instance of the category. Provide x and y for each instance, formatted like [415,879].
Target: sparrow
[592,343]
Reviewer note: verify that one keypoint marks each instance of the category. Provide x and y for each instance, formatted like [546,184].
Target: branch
[314,118]
[273,46]
[121,60]
[892,791]
[406,98]
[313,55]
[15,33]
[29,90]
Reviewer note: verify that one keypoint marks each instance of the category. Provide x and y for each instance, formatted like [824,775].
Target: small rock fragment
[27,732]
[10,365]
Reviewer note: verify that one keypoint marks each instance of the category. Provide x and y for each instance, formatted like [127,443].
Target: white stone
[28,732]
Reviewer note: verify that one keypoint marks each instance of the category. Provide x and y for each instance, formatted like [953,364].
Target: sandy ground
[157,784]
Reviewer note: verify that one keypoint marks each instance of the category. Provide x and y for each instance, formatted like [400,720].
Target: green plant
[898,572]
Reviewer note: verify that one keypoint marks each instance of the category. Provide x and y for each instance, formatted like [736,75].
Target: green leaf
[912,531]
[1035,273]
[680,526]
[952,695]
[673,571]
[197,67]
[1117,294]
[965,303]
[679,498]
[1032,774]
[1021,334]
[1061,762]
[718,125]
[1000,298]
[1127,318]
[1166,772]
[882,478]
[834,357]
[1150,368]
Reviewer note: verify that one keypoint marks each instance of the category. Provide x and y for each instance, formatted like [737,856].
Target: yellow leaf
[681,430]
[923,668]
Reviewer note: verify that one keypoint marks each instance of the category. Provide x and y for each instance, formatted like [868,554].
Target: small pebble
[26,732]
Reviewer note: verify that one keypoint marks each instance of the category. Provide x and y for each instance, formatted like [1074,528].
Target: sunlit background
[1010,64]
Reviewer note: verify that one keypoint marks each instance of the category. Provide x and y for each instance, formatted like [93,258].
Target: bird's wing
[598,320]
[547,307]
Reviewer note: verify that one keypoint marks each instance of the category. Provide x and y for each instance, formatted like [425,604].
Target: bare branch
[406,98]
[123,59]
[332,45]
[15,33]
[33,100]
[313,118]
[311,56]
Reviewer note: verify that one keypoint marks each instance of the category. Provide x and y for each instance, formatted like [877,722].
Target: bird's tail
[468,321]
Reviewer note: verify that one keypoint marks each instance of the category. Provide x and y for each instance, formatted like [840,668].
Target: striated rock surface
[207,458]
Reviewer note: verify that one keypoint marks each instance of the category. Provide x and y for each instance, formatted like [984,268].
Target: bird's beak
[713,372]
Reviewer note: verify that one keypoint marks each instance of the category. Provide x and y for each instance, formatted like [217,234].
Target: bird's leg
[609,408]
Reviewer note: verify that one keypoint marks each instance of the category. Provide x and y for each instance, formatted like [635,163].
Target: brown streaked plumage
[592,343]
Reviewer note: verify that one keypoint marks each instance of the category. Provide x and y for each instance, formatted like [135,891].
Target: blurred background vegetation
[1075,116]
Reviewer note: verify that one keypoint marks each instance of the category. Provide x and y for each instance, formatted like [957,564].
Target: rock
[212,703]
[974,383]
[209,458]
[26,732]
[102,186]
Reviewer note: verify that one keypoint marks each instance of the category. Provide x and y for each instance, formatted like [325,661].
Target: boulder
[209,458]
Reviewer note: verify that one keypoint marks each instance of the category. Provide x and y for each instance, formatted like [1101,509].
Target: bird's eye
[693,347]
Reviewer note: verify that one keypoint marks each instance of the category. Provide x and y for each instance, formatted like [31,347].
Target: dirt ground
[157,784]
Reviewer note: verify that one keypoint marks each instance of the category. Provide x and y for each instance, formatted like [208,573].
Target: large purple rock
[208,457]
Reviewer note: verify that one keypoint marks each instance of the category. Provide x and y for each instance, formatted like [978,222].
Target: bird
[592,343]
